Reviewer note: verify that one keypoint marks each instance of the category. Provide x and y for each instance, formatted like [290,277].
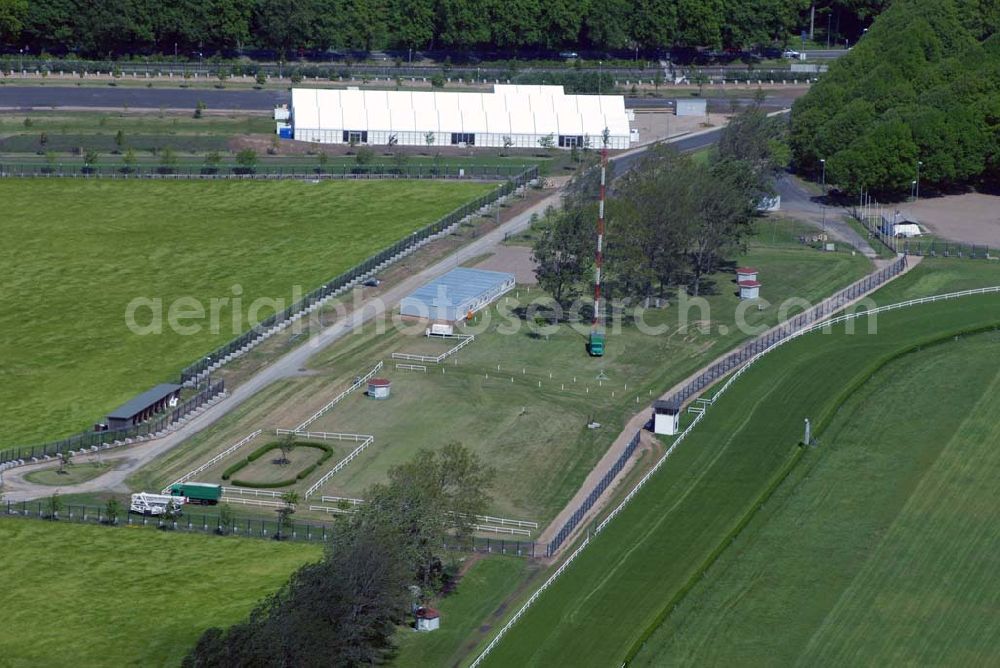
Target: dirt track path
[637,423]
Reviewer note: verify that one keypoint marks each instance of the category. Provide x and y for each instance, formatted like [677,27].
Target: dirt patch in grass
[972,218]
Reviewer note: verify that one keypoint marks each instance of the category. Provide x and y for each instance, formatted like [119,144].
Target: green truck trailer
[198,492]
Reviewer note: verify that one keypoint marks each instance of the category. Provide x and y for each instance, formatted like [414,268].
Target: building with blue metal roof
[455,295]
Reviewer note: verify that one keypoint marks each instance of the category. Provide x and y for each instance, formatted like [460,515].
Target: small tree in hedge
[53,505]
[65,458]
[111,511]
[168,160]
[212,160]
[247,160]
[290,499]
[322,159]
[364,157]
[261,78]
[129,160]
[225,519]
[90,157]
[286,445]
[548,142]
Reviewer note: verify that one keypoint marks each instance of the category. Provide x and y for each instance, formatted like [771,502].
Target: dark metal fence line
[262,171]
[769,339]
[591,499]
[946,249]
[724,367]
[90,439]
[340,282]
[242,527]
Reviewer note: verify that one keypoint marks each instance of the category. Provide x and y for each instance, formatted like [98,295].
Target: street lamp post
[600,74]
[917,183]
[823,180]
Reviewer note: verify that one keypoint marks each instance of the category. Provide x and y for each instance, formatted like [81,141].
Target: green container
[596,345]
[198,492]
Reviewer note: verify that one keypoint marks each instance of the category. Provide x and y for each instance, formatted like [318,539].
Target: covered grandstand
[517,116]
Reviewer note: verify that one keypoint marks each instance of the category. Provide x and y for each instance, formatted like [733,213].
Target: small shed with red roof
[379,388]
[749,289]
[428,619]
[746,274]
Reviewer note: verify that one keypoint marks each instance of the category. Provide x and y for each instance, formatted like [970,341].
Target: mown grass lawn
[881,549]
[75,254]
[533,429]
[77,595]
[661,543]
[479,593]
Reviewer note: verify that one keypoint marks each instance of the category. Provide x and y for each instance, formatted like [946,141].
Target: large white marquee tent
[522,114]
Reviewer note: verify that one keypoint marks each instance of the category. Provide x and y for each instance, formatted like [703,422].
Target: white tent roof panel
[513,110]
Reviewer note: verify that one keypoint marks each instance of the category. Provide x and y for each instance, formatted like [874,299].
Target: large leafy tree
[12,16]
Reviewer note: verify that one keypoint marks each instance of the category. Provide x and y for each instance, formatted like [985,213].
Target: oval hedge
[274,445]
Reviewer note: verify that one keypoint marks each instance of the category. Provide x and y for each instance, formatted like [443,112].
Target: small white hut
[428,619]
[379,388]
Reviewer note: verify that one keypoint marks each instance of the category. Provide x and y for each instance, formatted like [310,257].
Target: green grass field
[879,549]
[662,542]
[535,436]
[97,596]
[80,251]
[71,475]
[480,592]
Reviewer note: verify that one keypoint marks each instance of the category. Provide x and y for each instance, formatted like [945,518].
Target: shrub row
[274,445]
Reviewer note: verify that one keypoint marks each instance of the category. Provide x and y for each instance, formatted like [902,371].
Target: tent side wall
[520,115]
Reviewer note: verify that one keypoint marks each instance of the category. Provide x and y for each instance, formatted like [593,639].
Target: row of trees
[344,609]
[145,26]
[920,94]
[671,221]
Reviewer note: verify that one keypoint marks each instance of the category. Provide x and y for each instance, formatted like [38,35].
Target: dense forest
[923,86]
[121,27]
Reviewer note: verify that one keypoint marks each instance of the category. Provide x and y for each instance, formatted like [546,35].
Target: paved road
[48,97]
[800,203]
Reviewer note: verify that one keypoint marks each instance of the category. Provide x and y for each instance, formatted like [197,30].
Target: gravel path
[797,202]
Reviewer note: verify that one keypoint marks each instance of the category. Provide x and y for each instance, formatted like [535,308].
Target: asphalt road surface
[46,97]
[50,97]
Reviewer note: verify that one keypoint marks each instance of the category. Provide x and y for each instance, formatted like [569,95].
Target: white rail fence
[253,493]
[504,530]
[213,461]
[412,367]
[253,502]
[341,499]
[330,509]
[340,465]
[336,400]
[323,435]
[437,359]
[680,439]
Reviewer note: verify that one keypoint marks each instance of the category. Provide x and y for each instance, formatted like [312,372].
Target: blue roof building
[455,295]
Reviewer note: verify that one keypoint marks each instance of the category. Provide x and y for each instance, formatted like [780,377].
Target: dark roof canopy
[661,406]
[140,403]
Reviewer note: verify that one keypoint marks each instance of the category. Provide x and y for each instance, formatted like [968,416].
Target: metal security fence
[591,499]
[938,248]
[89,440]
[259,172]
[206,523]
[684,434]
[344,281]
[767,340]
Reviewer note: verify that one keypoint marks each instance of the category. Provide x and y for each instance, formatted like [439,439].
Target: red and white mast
[599,259]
